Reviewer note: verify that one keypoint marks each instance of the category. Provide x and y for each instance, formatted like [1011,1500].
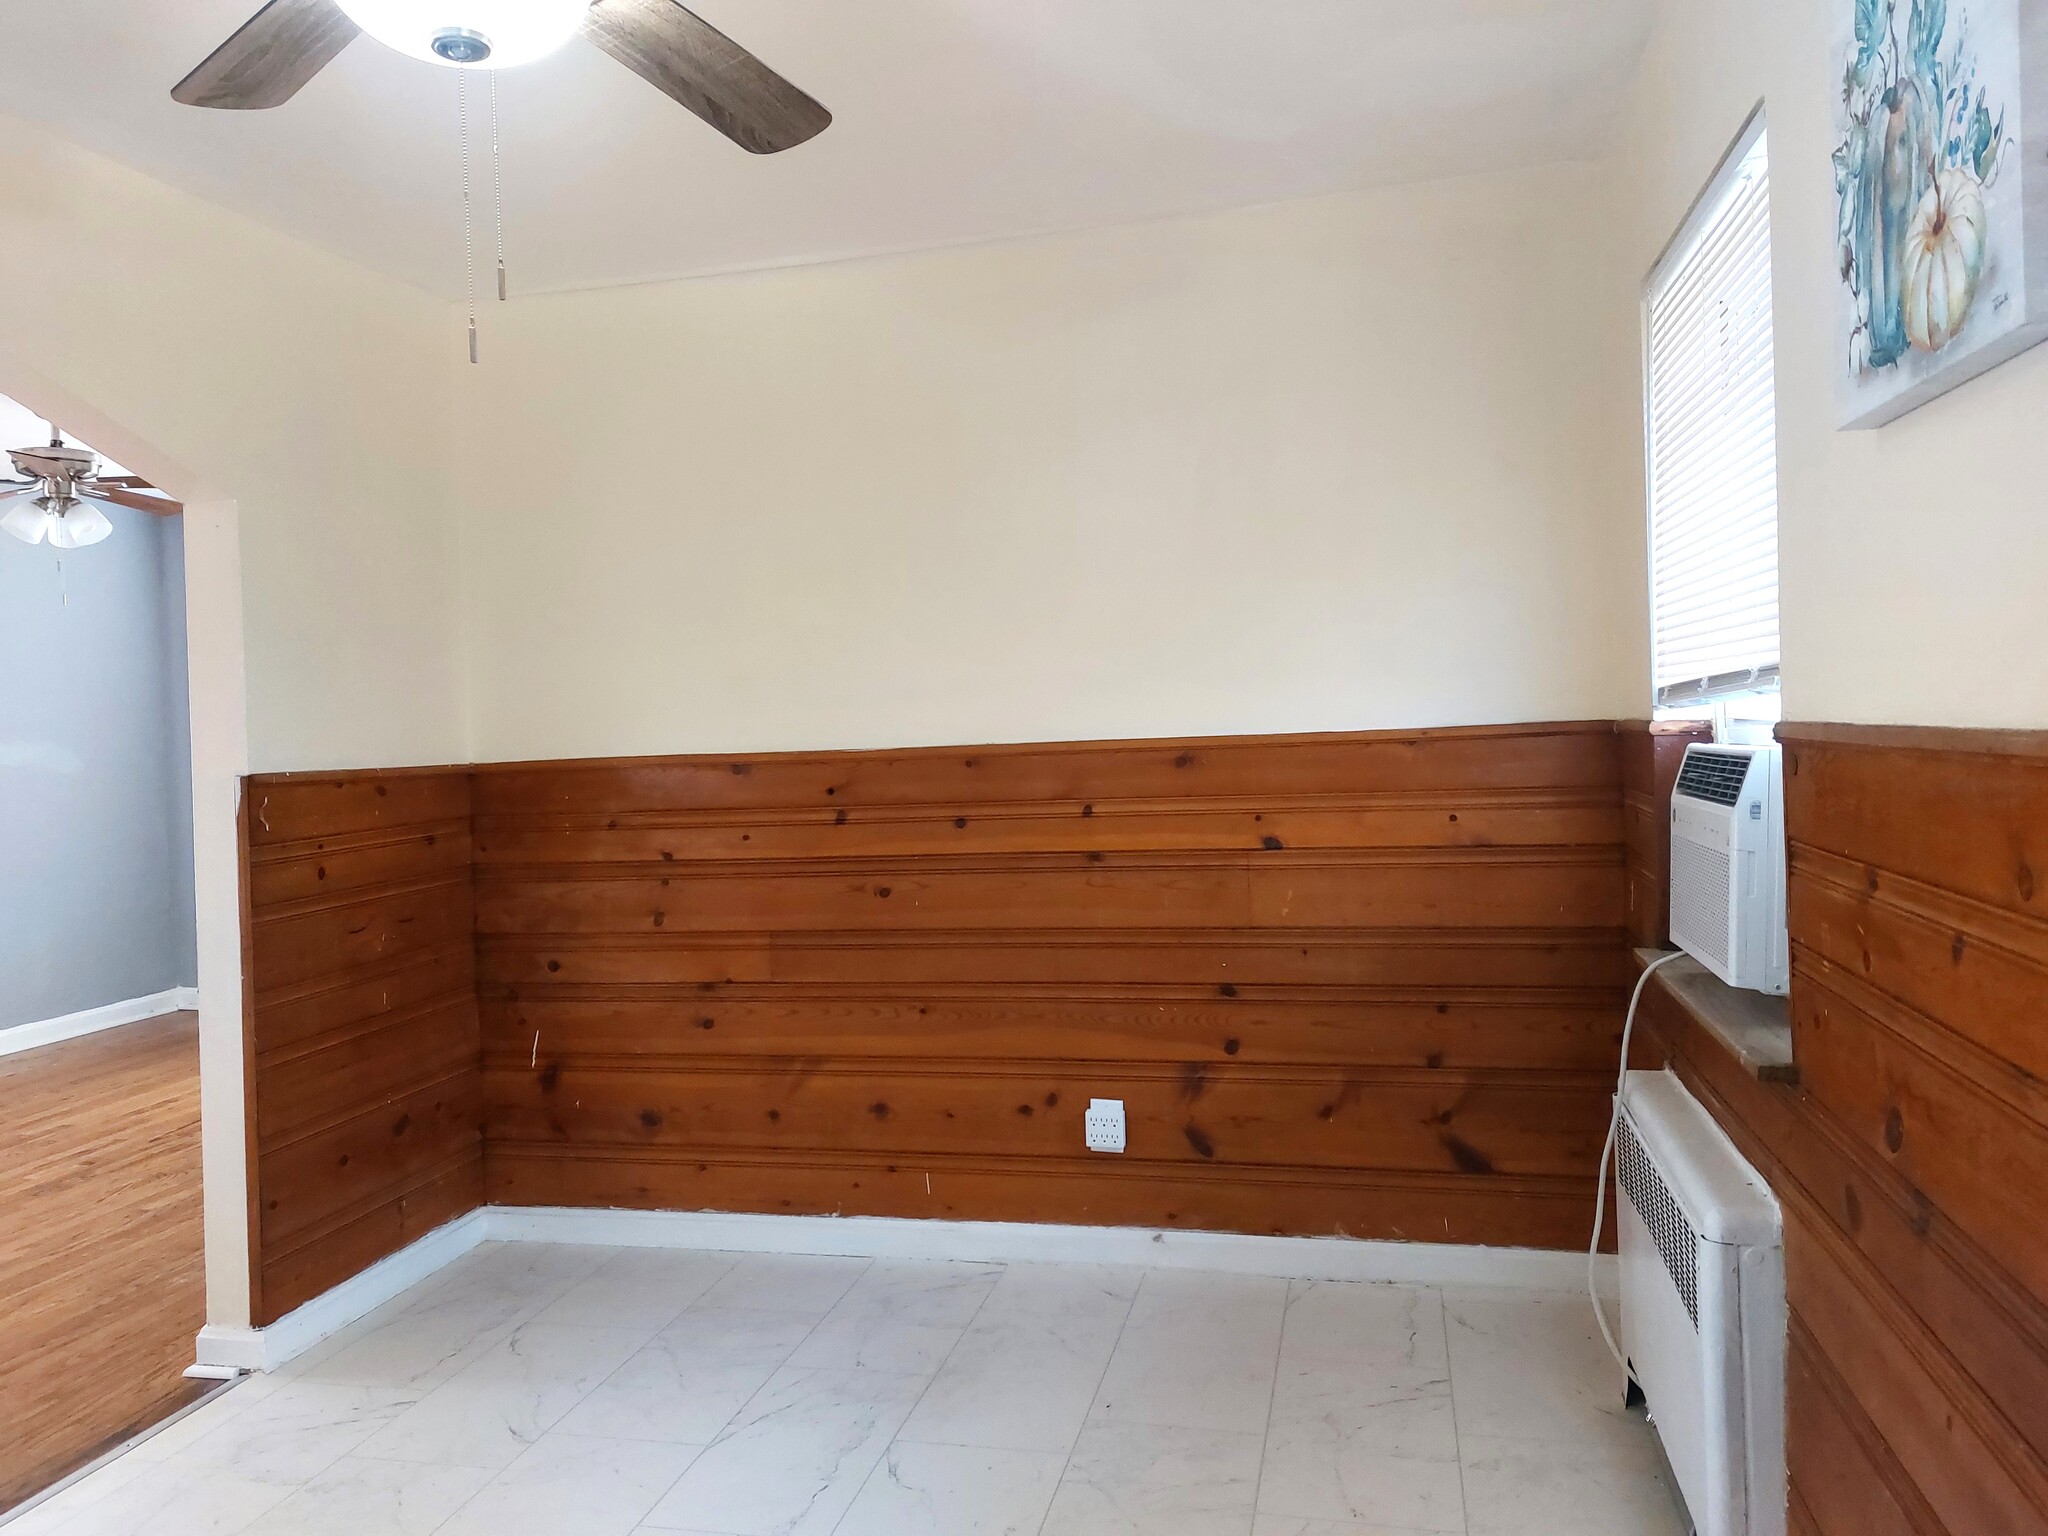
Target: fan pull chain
[468,221]
[498,187]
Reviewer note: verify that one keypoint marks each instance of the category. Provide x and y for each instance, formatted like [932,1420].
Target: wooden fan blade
[99,490]
[276,51]
[681,53]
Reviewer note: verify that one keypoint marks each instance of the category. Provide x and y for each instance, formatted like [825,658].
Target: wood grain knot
[1468,1157]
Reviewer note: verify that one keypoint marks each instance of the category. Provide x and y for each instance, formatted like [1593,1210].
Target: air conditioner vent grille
[1715,777]
[1699,899]
[1677,1243]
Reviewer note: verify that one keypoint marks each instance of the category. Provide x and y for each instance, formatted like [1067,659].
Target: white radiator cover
[1703,1305]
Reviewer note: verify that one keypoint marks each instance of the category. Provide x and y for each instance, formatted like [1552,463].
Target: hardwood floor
[101,1272]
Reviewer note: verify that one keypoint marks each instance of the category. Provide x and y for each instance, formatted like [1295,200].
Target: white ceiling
[956,121]
[22,428]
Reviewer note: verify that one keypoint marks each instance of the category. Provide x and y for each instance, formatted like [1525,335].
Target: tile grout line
[641,1524]
[1443,1319]
[500,1472]
[524,1320]
[525,1317]
[1002,1271]
[1272,1395]
[346,1337]
[1107,1361]
[784,1362]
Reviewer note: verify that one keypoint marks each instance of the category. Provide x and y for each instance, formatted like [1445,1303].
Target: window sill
[1753,1028]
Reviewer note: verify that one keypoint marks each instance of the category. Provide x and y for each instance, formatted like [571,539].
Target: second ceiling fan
[288,42]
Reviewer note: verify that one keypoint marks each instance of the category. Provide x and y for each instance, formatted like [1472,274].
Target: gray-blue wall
[96,898]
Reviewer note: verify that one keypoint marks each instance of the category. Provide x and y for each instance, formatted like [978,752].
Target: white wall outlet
[1105,1125]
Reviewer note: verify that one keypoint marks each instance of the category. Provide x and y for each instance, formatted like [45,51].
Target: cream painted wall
[299,407]
[1911,558]
[233,362]
[1320,465]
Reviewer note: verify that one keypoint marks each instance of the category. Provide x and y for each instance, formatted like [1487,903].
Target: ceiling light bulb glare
[78,525]
[470,34]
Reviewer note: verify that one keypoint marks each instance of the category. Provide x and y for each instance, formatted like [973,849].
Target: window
[1712,444]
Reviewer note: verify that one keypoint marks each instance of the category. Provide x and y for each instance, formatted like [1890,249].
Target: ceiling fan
[288,42]
[56,500]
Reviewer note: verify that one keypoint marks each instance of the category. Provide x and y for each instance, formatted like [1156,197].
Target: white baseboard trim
[265,1349]
[87,1021]
[997,1242]
[228,1350]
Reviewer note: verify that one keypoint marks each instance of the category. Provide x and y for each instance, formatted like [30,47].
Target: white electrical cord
[1628,1030]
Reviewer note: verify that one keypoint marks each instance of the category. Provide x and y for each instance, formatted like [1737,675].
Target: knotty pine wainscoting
[1358,984]
[1362,985]
[1912,1156]
[364,1075]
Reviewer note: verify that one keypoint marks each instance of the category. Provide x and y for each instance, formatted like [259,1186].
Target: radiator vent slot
[1676,1241]
[1715,777]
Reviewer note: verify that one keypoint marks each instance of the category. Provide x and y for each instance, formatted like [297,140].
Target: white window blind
[1713,443]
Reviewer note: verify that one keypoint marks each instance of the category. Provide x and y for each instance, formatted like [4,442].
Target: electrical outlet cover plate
[1105,1125]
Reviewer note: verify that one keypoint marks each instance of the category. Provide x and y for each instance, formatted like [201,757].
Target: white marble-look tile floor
[530,1390]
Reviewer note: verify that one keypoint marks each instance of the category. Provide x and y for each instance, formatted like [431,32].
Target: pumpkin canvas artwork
[1942,195]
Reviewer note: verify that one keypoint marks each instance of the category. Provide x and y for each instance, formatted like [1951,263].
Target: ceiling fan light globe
[515,32]
[82,525]
[26,521]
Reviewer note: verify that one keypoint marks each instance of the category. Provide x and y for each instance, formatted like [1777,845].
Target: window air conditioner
[1703,1306]
[1728,865]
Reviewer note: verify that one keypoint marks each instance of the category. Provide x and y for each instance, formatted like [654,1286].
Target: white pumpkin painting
[1941,184]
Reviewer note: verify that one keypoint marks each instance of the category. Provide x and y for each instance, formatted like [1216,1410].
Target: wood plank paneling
[1910,1157]
[1529,1213]
[1396,963]
[1476,758]
[101,1262]
[1163,1026]
[1652,752]
[366,1082]
[1365,984]
[1418,1122]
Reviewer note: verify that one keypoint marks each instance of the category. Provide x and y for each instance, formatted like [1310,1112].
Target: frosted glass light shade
[25,520]
[83,524]
[518,31]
